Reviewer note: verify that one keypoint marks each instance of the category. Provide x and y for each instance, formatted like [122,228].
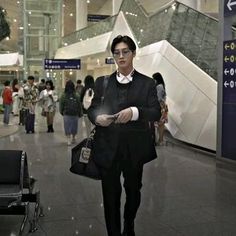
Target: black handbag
[82,162]
[82,159]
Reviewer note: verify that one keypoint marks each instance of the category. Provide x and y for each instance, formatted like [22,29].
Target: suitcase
[29,122]
[22,116]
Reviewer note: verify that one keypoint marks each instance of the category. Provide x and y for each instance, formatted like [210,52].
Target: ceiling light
[63,5]
[15,20]
[88,1]
[71,14]
[18,2]
[7,38]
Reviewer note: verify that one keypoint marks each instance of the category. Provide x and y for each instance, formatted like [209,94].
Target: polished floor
[183,193]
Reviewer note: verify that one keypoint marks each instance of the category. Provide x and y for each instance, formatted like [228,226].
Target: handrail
[88,27]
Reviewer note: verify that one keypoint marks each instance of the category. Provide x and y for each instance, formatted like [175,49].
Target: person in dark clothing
[7,102]
[86,97]
[41,85]
[161,94]
[79,86]
[123,140]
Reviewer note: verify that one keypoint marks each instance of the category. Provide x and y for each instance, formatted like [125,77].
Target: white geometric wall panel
[191,93]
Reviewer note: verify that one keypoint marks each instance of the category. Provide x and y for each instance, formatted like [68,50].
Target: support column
[81,22]
[81,14]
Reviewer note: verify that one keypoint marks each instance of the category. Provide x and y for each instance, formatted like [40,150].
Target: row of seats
[17,189]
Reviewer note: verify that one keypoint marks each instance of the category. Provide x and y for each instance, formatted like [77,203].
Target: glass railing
[91,31]
[191,32]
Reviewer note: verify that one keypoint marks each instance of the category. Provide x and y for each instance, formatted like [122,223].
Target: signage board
[229,7]
[62,64]
[229,100]
[109,60]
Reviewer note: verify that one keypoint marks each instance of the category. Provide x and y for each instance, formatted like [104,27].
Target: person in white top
[48,98]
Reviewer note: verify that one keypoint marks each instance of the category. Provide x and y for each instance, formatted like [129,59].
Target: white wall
[191,93]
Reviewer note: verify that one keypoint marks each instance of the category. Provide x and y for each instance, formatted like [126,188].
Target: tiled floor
[183,192]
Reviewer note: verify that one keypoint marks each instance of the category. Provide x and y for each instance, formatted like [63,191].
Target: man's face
[31,82]
[123,55]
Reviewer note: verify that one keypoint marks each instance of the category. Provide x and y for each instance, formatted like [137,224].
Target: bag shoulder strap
[105,83]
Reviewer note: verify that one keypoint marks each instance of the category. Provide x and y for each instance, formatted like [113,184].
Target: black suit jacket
[141,94]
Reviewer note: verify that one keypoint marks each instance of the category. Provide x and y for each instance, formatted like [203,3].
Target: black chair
[16,188]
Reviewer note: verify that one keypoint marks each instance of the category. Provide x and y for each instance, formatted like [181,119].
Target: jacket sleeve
[151,112]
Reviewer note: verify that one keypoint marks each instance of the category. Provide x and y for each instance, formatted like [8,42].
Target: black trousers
[29,121]
[111,188]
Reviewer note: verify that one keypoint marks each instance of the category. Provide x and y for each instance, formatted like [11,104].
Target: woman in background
[48,99]
[70,108]
[161,94]
[15,97]
[86,98]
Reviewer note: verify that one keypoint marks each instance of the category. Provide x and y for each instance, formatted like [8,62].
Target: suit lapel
[111,97]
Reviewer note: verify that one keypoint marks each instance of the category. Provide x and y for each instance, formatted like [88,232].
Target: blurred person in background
[79,86]
[161,94]
[7,102]
[29,102]
[15,97]
[86,97]
[70,108]
[48,98]
[41,85]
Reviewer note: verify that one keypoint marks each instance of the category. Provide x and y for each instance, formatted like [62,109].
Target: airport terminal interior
[186,191]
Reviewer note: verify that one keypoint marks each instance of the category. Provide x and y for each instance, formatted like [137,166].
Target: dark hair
[159,79]
[30,77]
[7,83]
[14,82]
[79,81]
[70,87]
[50,83]
[123,39]
[89,82]
[42,80]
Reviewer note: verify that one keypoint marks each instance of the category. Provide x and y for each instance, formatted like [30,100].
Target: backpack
[71,106]
[88,96]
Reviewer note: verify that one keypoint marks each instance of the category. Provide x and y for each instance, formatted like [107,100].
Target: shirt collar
[124,79]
